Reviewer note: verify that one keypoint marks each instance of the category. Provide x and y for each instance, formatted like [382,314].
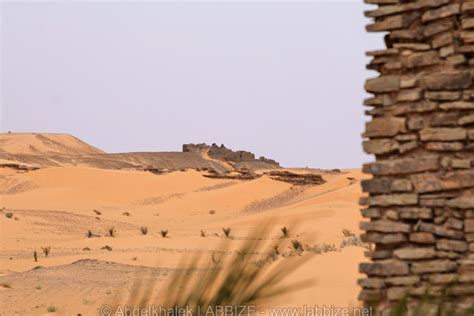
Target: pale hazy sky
[282,79]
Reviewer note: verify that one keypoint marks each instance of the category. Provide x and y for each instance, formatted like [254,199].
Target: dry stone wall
[419,211]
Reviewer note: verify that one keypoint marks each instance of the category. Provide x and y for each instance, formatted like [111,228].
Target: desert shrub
[144,230]
[296,245]
[276,249]
[164,233]
[106,247]
[354,241]
[37,267]
[203,233]
[231,281]
[226,231]
[319,249]
[90,234]
[35,256]
[111,231]
[97,212]
[347,233]
[9,215]
[51,309]
[126,214]
[285,232]
[212,212]
[46,251]
[86,249]
[6,285]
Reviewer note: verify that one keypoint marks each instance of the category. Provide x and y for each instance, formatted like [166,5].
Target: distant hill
[35,150]
[44,144]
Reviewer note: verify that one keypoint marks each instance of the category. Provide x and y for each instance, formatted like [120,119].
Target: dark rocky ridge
[223,153]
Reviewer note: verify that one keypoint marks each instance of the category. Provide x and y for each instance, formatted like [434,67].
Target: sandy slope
[42,144]
[54,207]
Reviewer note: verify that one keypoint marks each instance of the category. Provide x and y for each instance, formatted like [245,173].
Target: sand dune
[44,144]
[54,207]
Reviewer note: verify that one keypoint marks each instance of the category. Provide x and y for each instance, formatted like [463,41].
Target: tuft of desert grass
[9,215]
[37,267]
[51,309]
[111,231]
[97,212]
[164,233]
[6,285]
[226,231]
[35,256]
[126,214]
[107,247]
[347,233]
[144,230]
[203,233]
[285,232]
[233,280]
[296,245]
[46,251]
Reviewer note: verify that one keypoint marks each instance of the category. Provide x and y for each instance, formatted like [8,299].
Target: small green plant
[112,231]
[35,256]
[144,230]
[51,309]
[46,251]
[203,233]
[227,232]
[9,215]
[285,232]
[296,245]
[164,233]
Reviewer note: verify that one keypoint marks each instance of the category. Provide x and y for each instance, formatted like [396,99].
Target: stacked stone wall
[419,209]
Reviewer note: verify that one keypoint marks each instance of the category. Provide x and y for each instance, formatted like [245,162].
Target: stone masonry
[419,209]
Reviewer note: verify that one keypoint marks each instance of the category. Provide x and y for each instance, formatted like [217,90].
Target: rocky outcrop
[223,153]
[420,203]
[296,178]
[242,174]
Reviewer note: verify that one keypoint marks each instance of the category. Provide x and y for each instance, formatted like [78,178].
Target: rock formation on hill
[420,207]
[223,153]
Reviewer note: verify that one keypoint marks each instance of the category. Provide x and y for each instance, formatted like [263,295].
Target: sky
[281,79]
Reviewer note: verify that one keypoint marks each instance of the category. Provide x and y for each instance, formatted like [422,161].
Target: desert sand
[56,206]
